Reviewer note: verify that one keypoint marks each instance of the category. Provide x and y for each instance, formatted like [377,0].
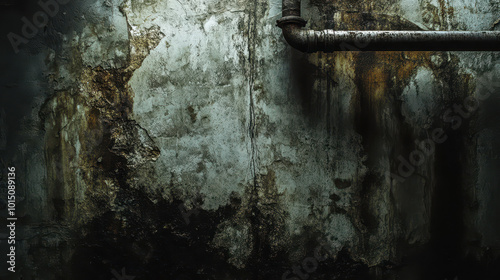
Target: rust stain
[442,6]
[446,12]
[375,81]
[380,76]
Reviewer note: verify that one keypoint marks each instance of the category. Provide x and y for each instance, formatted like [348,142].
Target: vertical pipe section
[290,8]
[328,40]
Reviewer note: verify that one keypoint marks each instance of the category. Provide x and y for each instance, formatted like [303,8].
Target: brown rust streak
[378,74]
[378,78]
[446,12]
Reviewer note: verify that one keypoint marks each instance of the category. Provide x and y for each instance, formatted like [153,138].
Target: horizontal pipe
[328,40]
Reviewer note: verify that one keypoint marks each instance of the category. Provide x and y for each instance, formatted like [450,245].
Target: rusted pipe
[328,40]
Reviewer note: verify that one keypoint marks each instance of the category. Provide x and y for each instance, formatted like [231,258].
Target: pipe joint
[291,20]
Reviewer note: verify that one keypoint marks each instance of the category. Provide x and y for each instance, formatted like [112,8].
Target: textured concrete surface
[186,140]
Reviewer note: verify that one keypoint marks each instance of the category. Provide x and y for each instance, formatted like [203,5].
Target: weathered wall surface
[187,140]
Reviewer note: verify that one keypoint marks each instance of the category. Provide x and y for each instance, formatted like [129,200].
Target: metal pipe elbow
[293,33]
[296,37]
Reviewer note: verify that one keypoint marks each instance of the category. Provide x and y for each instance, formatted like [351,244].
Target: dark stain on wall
[380,78]
[120,224]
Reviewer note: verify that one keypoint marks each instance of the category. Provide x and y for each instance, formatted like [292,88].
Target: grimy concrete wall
[187,140]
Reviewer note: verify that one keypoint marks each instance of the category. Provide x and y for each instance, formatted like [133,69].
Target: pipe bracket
[291,19]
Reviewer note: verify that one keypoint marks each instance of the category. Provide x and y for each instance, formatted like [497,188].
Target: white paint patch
[210,24]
